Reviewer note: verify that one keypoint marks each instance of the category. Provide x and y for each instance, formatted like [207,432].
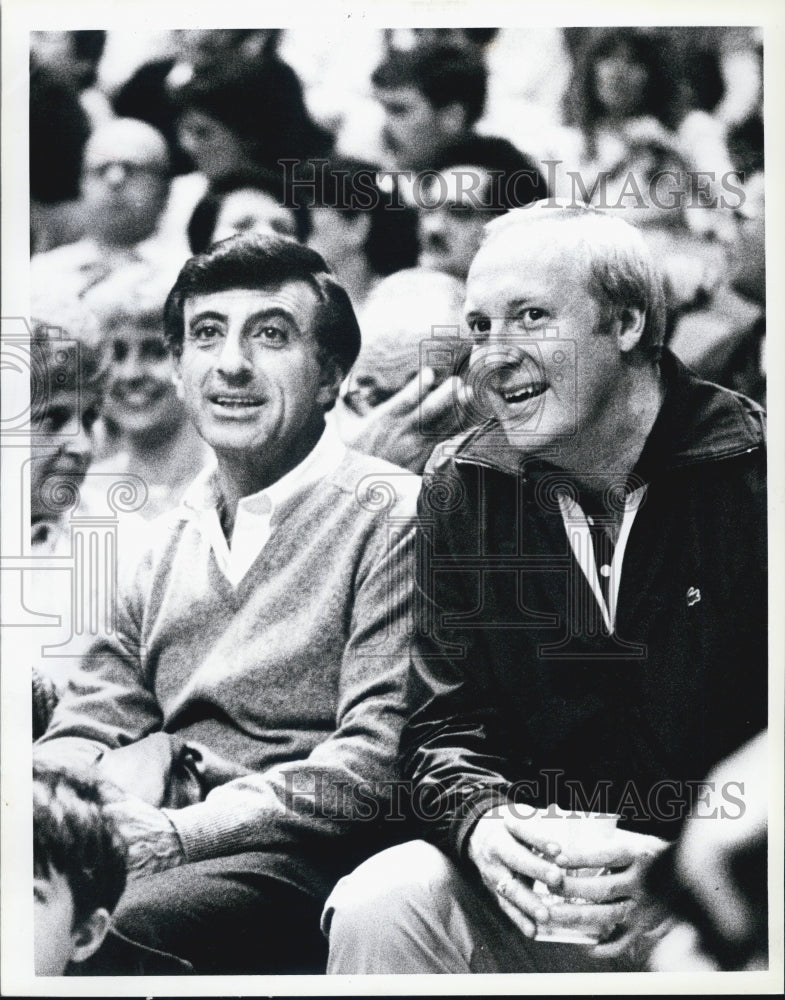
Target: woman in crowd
[362,230]
[248,201]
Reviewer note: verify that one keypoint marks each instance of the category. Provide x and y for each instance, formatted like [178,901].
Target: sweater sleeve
[348,779]
[109,701]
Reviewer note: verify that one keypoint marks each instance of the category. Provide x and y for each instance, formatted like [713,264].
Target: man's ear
[630,323]
[452,119]
[332,376]
[89,935]
[177,376]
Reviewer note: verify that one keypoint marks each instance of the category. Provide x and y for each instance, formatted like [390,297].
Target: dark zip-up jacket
[518,692]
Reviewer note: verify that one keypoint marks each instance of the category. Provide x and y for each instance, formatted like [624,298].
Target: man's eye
[271,335]
[205,334]
[154,350]
[533,315]
[89,417]
[479,327]
[119,351]
[50,421]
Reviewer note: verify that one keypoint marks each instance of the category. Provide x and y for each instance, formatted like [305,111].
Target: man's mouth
[139,397]
[236,403]
[522,394]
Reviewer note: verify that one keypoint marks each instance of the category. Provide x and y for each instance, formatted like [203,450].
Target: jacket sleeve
[451,743]
[345,785]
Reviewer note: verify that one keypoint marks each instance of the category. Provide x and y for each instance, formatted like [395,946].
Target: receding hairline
[584,222]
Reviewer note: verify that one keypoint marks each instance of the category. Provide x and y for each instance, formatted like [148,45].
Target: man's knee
[391,887]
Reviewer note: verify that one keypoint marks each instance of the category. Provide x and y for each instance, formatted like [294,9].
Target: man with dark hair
[592,573]
[479,177]
[432,95]
[255,678]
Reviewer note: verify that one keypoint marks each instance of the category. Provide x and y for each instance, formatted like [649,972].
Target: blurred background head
[253,118]
[411,318]
[71,55]
[626,73]
[66,389]
[248,201]
[482,177]
[363,231]
[125,181]
[140,399]
[431,95]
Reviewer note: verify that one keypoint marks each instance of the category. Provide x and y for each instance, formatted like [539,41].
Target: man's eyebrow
[207,314]
[273,312]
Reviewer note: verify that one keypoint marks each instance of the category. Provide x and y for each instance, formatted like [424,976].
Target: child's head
[65,396]
[79,867]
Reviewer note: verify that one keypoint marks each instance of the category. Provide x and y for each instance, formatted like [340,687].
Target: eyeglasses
[123,170]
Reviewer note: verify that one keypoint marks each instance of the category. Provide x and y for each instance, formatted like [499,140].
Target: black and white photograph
[390,541]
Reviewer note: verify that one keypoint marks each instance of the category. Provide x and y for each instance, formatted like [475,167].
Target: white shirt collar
[255,513]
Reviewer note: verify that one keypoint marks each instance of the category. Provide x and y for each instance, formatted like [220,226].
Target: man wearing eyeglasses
[124,187]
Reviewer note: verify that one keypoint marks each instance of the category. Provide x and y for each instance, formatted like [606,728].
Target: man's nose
[115,175]
[129,367]
[498,351]
[431,222]
[233,359]
[76,440]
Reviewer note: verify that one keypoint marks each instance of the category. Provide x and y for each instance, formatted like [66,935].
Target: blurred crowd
[387,151]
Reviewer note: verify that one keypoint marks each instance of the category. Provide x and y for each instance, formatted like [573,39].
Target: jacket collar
[697,422]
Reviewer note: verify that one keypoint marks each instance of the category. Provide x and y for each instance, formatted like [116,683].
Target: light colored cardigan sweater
[296,676]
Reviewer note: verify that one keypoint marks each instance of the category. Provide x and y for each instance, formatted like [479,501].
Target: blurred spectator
[432,96]
[125,183]
[59,129]
[482,177]
[643,110]
[79,862]
[66,389]
[152,438]
[73,57]
[66,392]
[230,122]
[626,105]
[249,201]
[713,880]
[401,395]
[253,118]
[213,54]
[718,303]
[362,231]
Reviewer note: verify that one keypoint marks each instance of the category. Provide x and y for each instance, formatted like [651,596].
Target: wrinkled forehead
[296,300]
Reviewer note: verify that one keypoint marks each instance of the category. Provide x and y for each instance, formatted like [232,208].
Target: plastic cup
[572,831]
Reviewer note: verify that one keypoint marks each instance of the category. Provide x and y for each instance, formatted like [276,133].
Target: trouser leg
[225,916]
[410,910]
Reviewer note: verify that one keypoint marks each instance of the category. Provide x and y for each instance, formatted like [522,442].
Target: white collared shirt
[576,524]
[254,522]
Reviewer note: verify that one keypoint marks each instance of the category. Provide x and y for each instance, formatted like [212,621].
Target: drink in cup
[573,831]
